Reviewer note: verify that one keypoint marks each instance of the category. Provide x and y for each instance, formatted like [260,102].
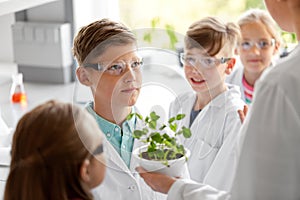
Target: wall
[86,12]
[6,50]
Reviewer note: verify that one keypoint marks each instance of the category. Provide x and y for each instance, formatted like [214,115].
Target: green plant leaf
[145,130]
[173,141]
[179,132]
[172,119]
[186,132]
[154,116]
[173,127]
[152,146]
[162,127]
[166,137]
[180,116]
[156,137]
[159,153]
[151,154]
[168,144]
[139,116]
[151,149]
[152,125]
[138,134]
[129,116]
[147,119]
[180,149]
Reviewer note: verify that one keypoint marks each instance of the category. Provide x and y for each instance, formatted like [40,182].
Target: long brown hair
[47,154]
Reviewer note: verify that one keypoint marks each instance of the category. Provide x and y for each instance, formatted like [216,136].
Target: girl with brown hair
[56,154]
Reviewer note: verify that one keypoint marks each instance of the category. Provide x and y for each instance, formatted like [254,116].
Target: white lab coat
[269,165]
[210,130]
[184,189]
[120,182]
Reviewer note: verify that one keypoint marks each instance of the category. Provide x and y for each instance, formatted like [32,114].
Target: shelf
[11,6]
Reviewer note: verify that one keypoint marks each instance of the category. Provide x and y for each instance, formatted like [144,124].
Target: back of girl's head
[213,36]
[47,152]
[257,15]
[94,38]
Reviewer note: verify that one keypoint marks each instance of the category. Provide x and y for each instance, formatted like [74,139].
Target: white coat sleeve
[184,189]
[269,166]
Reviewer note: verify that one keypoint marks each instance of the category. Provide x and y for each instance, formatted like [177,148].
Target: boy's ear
[83,76]
[230,65]
[84,171]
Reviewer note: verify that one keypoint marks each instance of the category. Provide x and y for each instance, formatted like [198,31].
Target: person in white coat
[257,50]
[211,107]
[269,165]
[106,52]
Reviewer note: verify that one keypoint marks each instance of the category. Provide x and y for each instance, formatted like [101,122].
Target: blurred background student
[56,154]
[257,49]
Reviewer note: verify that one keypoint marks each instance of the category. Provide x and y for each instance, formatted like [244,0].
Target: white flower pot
[176,167]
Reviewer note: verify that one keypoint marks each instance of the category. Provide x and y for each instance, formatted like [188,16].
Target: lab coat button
[116,129]
[108,134]
[132,187]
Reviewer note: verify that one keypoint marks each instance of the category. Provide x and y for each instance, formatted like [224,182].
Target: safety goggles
[261,44]
[205,62]
[116,68]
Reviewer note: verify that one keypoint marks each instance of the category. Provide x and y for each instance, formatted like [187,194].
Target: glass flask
[17,92]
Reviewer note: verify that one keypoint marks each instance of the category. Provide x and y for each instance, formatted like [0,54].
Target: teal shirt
[119,137]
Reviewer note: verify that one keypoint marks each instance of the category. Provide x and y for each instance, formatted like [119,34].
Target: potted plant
[163,152]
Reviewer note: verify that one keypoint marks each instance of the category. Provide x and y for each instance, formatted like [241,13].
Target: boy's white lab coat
[269,165]
[210,130]
[120,182]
